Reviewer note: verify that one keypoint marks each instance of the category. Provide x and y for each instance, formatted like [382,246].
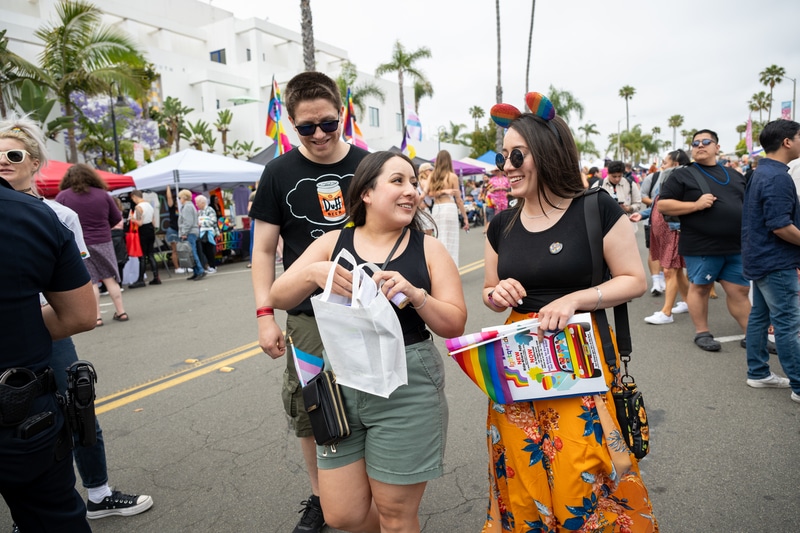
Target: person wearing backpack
[648,190]
[708,199]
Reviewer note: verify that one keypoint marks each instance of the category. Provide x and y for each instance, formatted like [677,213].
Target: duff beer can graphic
[331,200]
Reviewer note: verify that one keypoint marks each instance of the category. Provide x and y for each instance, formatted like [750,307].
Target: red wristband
[264,311]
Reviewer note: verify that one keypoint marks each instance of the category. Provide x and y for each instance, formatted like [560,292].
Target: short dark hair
[616,166]
[775,132]
[680,157]
[594,170]
[712,133]
[311,86]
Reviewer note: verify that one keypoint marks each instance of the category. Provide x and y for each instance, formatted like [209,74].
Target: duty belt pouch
[632,418]
[325,407]
[19,387]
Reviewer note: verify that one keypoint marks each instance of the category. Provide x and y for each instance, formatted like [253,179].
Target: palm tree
[499,89]
[82,54]
[196,134]
[586,148]
[172,121]
[359,93]
[13,71]
[307,31]
[224,118]
[422,89]
[627,93]
[656,131]
[403,63]
[565,103]
[741,129]
[675,122]
[530,45]
[760,101]
[771,76]
[477,113]
[589,129]
[454,135]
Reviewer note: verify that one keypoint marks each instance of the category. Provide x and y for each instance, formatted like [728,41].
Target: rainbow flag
[484,365]
[275,129]
[307,365]
[351,131]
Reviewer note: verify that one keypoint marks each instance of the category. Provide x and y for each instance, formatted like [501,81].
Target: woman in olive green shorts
[378,474]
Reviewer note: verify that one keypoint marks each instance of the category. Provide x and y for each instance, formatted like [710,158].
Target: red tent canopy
[50,176]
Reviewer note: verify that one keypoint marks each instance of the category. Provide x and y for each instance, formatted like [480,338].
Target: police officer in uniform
[37,255]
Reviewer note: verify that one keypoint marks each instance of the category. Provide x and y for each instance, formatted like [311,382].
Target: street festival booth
[49,178]
[225,181]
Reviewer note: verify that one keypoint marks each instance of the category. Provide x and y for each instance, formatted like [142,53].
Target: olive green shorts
[402,437]
[302,329]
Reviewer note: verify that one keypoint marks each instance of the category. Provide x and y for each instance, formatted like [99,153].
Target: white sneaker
[211,270]
[658,318]
[795,397]
[772,381]
[680,307]
[180,271]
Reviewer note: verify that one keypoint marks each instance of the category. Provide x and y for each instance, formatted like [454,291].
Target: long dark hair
[364,180]
[555,156]
[80,178]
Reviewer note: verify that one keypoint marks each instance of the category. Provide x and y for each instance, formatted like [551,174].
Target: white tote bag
[361,334]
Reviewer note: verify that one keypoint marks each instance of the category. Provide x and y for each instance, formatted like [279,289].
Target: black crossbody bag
[628,400]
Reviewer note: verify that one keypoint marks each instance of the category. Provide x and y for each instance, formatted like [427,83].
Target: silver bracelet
[424,301]
[599,299]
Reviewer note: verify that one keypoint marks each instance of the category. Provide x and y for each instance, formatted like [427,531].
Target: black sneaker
[137,284]
[156,281]
[312,519]
[119,504]
[15,528]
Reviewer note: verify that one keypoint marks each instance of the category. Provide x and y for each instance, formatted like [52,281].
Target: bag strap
[591,207]
[394,248]
[653,182]
[702,184]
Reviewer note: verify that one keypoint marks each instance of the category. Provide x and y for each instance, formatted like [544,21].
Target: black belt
[414,337]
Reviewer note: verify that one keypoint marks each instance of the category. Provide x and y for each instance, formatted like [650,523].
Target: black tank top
[410,263]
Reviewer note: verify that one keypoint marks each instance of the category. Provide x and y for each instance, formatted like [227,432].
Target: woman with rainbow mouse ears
[551,468]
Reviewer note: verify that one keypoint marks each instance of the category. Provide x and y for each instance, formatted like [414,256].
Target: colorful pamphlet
[510,364]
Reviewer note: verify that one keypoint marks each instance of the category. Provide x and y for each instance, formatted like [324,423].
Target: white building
[206,58]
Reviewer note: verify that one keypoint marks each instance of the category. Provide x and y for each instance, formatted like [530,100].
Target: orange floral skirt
[550,469]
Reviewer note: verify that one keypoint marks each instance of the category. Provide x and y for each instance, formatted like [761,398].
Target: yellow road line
[206,366]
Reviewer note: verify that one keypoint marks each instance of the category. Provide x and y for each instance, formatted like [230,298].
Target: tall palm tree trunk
[499,90]
[530,45]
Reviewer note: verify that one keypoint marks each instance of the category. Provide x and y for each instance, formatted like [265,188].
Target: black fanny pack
[19,387]
[323,401]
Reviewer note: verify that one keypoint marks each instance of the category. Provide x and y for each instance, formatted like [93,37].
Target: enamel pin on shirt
[556,247]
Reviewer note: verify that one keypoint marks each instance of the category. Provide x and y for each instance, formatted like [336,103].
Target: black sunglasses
[516,157]
[15,156]
[308,129]
[704,142]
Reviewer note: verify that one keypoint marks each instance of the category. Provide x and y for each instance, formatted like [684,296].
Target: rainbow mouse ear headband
[541,106]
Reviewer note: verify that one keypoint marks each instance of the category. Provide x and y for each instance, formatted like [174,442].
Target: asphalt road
[192,415]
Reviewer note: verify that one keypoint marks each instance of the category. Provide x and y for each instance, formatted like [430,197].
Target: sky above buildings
[699,59]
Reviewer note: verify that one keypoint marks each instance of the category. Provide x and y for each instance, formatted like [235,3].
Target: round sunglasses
[15,156]
[307,130]
[516,157]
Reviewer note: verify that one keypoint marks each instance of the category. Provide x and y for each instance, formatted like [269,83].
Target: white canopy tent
[196,170]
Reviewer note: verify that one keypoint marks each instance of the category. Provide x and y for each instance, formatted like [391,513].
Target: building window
[217,103]
[218,56]
[249,56]
[399,122]
[374,117]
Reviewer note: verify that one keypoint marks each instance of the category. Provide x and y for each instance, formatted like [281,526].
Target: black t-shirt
[305,199]
[526,257]
[718,229]
[38,254]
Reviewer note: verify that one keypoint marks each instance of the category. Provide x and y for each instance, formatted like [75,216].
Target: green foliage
[359,93]
[565,103]
[404,63]
[482,139]
[34,100]
[171,124]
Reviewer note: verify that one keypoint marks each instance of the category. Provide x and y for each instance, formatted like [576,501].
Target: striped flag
[275,129]
[307,365]
[351,131]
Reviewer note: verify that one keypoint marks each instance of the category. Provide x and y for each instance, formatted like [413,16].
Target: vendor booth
[49,178]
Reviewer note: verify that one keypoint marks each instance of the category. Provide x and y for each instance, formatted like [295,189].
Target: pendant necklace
[727,176]
[543,214]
